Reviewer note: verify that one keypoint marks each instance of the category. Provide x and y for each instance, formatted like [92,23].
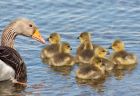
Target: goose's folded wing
[12,58]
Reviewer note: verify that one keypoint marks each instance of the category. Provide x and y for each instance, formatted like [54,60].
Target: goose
[120,55]
[12,66]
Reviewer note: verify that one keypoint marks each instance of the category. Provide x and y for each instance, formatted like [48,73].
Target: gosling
[100,54]
[63,57]
[93,71]
[85,51]
[52,48]
[120,56]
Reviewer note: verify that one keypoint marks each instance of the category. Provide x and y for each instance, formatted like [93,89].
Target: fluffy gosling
[53,47]
[120,56]
[93,71]
[85,51]
[100,54]
[63,57]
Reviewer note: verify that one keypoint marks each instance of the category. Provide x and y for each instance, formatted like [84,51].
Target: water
[105,19]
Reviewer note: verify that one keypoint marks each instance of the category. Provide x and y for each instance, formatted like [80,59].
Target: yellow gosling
[85,50]
[100,55]
[63,58]
[84,39]
[52,48]
[120,56]
[92,71]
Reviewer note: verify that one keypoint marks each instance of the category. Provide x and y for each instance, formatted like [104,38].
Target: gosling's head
[101,52]
[65,47]
[54,38]
[84,37]
[118,45]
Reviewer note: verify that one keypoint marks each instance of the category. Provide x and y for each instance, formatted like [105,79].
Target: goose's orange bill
[37,36]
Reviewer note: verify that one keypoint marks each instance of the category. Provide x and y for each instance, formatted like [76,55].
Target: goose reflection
[8,88]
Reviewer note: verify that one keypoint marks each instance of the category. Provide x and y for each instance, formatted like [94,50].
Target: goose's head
[101,52]
[54,38]
[84,37]
[65,47]
[118,45]
[26,27]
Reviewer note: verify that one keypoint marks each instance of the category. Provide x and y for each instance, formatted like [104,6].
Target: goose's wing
[12,58]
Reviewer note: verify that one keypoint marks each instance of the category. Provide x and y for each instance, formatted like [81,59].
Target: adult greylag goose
[12,66]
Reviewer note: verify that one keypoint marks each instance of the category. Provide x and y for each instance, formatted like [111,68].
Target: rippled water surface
[105,19]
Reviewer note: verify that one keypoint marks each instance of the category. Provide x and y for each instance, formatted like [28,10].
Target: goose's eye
[30,25]
[50,36]
[68,46]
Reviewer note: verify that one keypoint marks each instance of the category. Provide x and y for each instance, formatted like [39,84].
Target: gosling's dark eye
[50,36]
[68,46]
[103,51]
[30,25]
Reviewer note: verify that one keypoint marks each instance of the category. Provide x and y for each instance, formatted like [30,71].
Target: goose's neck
[8,37]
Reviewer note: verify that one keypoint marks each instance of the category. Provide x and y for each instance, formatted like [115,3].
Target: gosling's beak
[78,37]
[37,36]
[110,47]
[70,48]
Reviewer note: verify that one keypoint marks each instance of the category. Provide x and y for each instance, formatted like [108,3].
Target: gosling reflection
[64,70]
[120,73]
[97,85]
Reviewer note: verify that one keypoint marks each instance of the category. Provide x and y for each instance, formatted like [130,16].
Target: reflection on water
[64,70]
[8,88]
[120,73]
[97,85]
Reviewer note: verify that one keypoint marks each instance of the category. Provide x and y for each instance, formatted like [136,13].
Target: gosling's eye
[68,46]
[30,25]
[103,51]
[50,36]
